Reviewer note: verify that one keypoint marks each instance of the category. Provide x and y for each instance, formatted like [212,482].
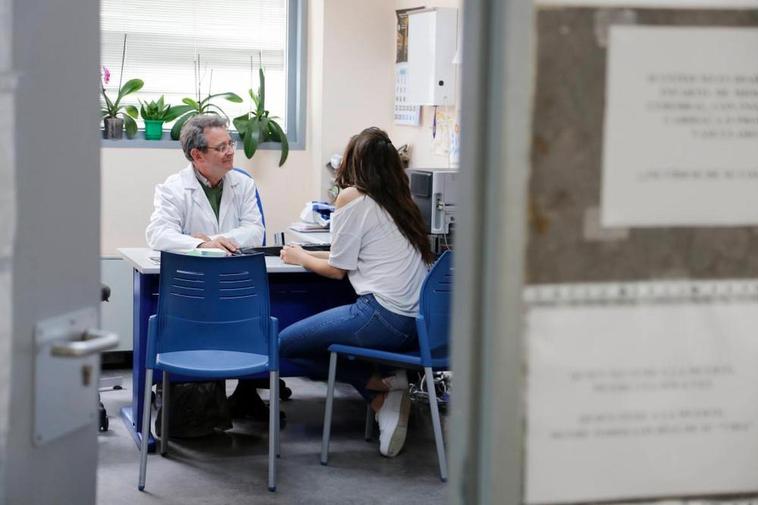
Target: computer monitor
[435,193]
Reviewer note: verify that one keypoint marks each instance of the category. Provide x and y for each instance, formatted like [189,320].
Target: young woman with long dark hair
[379,242]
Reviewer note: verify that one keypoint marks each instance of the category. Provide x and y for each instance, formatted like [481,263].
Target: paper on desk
[211,252]
[308,228]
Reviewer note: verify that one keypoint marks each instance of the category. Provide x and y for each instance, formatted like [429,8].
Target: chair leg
[277,410]
[164,414]
[145,428]
[273,429]
[369,430]
[434,409]
[328,408]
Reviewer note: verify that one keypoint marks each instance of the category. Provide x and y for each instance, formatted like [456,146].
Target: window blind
[230,39]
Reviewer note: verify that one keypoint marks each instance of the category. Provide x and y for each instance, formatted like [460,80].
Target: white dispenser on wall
[432,43]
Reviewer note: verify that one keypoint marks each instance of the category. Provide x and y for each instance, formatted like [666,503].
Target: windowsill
[139,142]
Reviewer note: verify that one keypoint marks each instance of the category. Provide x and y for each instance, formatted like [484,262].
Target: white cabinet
[432,42]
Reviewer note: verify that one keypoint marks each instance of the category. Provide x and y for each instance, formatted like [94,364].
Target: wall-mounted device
[435,193]
[432,43]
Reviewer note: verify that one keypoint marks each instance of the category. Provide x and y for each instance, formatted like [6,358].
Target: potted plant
[157,112]
[197,106]
[115,115]
[258,126]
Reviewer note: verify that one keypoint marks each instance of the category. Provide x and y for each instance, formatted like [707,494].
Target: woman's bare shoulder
[346,196]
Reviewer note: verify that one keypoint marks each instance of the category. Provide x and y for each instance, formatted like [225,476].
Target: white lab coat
[182,209]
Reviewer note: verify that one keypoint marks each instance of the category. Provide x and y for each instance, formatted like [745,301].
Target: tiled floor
[231,467]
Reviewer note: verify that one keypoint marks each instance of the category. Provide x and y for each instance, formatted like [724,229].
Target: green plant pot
[153,129]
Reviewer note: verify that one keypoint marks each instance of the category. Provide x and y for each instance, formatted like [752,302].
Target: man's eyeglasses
[226,146]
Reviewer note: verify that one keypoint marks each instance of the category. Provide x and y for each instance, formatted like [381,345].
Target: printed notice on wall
[641,400]
[681,127]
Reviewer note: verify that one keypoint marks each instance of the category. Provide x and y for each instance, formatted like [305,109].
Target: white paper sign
[681,127]
[640,400]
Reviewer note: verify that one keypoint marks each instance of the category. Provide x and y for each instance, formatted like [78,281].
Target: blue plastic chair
[258,199]
[433,326]
[213,322]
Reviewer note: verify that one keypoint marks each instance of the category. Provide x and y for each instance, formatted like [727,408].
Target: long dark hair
[372,165]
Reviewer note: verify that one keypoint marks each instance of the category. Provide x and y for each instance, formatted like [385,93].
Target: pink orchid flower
[106,75]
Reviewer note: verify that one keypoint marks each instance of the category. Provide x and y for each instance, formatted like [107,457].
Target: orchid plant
[114,108]
[257,126]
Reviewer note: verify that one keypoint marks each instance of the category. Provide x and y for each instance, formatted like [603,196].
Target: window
[182,48]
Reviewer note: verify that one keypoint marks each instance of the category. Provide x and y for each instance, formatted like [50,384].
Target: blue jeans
[365,323]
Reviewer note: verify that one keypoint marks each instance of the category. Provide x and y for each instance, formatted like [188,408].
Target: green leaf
[174,111]
[263,128]
[241,123]
[130,125]
[109,105]
[192,103]
[254,98]
[176,130]
[250,140]
[132,111]
[261,90]
[283,140]
[130,87]
[160,103]
[232,97]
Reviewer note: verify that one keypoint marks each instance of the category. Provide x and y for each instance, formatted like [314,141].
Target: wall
[358,76]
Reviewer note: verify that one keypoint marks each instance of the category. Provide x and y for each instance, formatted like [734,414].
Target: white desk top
[140,259]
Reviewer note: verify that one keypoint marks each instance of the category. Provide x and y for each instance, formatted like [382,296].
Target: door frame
[7,227]
[487,429]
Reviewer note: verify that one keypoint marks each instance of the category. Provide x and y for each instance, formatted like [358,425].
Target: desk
[295,294]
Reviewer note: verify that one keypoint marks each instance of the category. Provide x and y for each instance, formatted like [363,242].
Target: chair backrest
[258,199]
[212,303]
[434,304]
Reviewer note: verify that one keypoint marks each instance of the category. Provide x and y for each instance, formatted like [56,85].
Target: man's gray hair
[192,136]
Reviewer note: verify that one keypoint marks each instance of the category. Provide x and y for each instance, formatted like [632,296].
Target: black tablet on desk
[274,250]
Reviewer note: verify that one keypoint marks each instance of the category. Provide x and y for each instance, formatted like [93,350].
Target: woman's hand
[293,254]
[296,255]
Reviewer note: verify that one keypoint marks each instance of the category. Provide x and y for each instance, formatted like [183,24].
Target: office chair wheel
[285,393]
[103,417]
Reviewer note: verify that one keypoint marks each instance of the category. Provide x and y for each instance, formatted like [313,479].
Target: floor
[231,467]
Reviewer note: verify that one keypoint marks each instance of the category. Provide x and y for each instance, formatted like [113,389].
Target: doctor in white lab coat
[206,204]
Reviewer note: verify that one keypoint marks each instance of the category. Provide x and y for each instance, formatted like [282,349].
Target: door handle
[92,341]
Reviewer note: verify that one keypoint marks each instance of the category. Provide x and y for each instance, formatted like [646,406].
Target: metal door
[49,250]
